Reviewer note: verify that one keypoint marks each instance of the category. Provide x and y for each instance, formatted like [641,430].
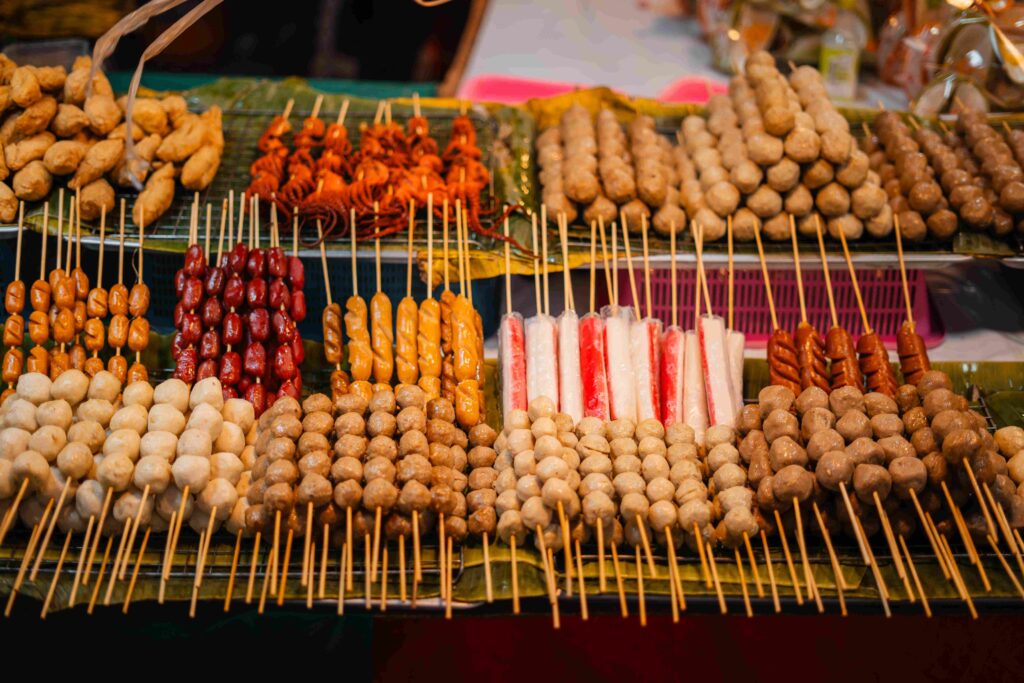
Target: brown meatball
[854,425]
[865,451]
[749,420]
[823,442]
[833,468]
[870,480]
[907,398]
[938,469]
[411,418]
[318,422]
[441,409]
[350,403]
[383,400]
[350,423]
[960,444]
[382,447]
[381,423]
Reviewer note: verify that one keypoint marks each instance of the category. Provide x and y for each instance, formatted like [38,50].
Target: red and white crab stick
[673,356]
[511,348]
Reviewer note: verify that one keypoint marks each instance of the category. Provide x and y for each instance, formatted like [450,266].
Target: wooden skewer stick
[883,591]
[311,561]
[673,561]
[401,569]
[753,565]
[812,587]
[135,571]
[714,575]
[965,537]
[26,560]
[384,577]
[705,569]
[1004,526]
[648,308]
[584,614]
[834,560]
[56,576]
[515,575]
[304,579]
[929,532]
[824,271]
[135,530]
[743,583]
[81,561]
[623,605]
[229,593]
[640,588]
[610,282]
[488,586]
[789,560]
[917,581]
[99,532]
[796,267]
[567,547]
[893,547]
[252,566]
[903,270]
[341,579]
[767,280]
[284,566]
[1006,566]
[50,528]
[367,588]
[982,503]
[99,575]
[448,581]
[958,577]
[117,562]
[629,268]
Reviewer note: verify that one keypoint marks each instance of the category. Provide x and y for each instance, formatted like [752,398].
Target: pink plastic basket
[880,288]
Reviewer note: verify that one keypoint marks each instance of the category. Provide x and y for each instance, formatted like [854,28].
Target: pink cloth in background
[513,90]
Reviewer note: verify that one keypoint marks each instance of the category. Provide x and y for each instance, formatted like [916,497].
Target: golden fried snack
[25,88]
[19,154]
[201,167]
[146,150]
[75,83]
[32,182]
[150,116]
[5,98]
[100,158]
[96,196]
[156,197]
[68,121]
[103,113]
[51,77]
[120,132]
[8,203]
[7,67]
[184,140]
[36,116]
[214,119]
[176,108]
[64,156]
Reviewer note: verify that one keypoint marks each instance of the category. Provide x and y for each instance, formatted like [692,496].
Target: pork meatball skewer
[413,469]
[347,466]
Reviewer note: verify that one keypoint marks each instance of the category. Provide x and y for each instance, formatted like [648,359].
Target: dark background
[394,40]
[310,645]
